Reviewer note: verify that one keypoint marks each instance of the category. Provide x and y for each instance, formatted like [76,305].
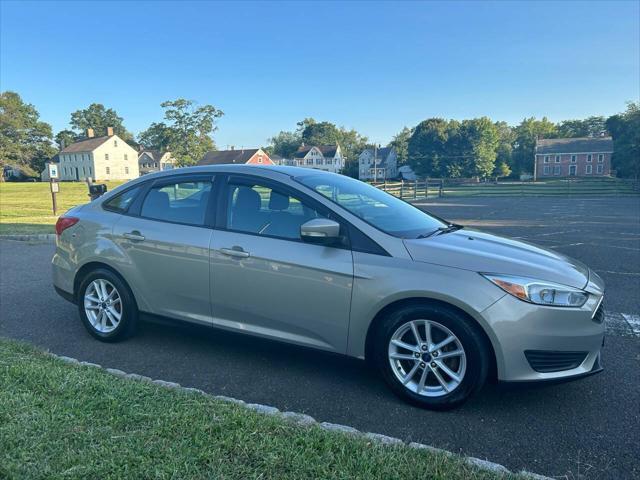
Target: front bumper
[516,327]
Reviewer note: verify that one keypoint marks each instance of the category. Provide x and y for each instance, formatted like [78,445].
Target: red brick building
[252,156]
[573,157]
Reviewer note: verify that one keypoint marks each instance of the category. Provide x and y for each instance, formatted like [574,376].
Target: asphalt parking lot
[584,429]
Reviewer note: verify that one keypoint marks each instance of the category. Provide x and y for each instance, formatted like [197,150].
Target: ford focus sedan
[325,261]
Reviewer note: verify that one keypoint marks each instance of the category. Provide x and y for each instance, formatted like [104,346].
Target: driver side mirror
[321,231]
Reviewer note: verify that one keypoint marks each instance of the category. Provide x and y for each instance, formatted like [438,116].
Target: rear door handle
[237,252]
[135,236]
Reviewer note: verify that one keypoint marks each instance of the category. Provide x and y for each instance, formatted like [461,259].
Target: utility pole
[375,163]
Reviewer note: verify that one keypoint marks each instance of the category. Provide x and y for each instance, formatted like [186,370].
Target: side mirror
[321,231]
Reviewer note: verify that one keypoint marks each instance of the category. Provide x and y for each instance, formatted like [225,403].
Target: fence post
[385,184]
[401,188]
[415,188]
[441,191]
[426,187]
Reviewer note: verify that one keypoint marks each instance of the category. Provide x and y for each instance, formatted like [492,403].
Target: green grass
[66,421]
[26,207]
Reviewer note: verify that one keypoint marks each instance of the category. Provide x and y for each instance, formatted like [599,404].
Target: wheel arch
[84,270]
[416,301]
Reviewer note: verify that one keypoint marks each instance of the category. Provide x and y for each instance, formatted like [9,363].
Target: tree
[285,143]
[156,137]
[427,147]
[64,138]
[188,129]
[97,117]
[526,134]
[400,143]
[481,144]
[504,154]
[589,127]
[25,141]
[625,130]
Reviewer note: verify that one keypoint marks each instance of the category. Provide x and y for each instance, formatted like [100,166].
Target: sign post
[55,186]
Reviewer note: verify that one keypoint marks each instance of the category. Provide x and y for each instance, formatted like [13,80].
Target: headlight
[538,291]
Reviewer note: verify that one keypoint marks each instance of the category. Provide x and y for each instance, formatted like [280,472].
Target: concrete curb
[306,420]
[28,238]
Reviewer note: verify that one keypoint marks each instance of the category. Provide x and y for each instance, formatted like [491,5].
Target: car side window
[121,202]
[266,211]
[180,202]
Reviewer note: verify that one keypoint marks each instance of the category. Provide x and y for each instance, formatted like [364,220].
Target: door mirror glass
[322,231]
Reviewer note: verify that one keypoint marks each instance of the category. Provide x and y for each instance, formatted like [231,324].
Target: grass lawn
[26,207]
[66,421]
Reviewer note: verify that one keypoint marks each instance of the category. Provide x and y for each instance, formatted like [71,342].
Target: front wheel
[107,306]
[432,356]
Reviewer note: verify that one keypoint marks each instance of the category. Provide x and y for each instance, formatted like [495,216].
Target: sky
[372,66]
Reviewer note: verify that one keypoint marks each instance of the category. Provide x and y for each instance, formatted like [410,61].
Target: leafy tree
[400,143]
[481,137]
[501,170]
[504,153]
[188,129]
[156,137]
[64,138]
[427,147]
[625,130]
[526,134]
[285,143]
[25,141]
[589,127]
[97,117]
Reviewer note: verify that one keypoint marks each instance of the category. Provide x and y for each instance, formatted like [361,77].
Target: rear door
[166,236]
[265,279]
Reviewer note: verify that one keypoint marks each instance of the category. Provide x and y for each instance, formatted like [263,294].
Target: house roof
[221,157]
[574,145]
[86,145]
[326,150]
[153,154]
[382,153]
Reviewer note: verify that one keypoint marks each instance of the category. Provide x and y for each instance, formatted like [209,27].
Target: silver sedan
[325,261]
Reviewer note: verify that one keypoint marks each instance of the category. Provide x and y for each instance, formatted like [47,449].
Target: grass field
[26,207]
[66,421]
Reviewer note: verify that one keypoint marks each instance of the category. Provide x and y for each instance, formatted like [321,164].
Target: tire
[441,392]
[107,328]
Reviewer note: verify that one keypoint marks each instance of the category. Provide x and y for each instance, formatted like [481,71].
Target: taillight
[65,222]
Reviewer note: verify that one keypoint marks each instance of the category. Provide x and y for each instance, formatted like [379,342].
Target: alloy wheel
[103,305]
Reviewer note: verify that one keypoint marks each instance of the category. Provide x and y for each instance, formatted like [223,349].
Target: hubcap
[103,305]
[427,358]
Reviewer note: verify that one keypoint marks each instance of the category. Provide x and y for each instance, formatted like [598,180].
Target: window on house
[155,164]
[106,156]
[309,161]
[126,157]
[259,159]
[557,158]
[600,169]
[589,158]
[557,170]
[329,161]
[574,158]
[126,170]
[547,170]
[600,158]
[588,169]
[547,158]
[115,143]
[318,161]
[108,170]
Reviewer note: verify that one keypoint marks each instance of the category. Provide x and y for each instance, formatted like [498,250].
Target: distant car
[325,261]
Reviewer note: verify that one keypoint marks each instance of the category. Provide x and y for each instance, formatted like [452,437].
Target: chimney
[233,147]
[90,133]
[109,131]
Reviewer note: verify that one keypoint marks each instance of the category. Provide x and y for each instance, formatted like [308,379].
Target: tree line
[436,147]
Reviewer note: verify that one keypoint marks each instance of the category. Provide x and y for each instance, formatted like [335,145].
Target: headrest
[247,199]
[278,201]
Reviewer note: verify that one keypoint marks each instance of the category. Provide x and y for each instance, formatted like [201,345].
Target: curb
[27,238]
[306,420]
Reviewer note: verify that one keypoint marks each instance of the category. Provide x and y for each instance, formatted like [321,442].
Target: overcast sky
[375,67]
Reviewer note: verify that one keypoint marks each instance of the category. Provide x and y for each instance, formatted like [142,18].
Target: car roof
[230,168]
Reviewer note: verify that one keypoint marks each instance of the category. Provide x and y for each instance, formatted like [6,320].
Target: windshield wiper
[452,227]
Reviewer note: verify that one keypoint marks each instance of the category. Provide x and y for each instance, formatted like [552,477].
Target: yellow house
[99,158]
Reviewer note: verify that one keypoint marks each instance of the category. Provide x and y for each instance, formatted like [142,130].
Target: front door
[267,281]
[168,246]
[572,170]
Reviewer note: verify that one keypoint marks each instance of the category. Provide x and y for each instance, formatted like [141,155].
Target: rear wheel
[432,356]
[107,306]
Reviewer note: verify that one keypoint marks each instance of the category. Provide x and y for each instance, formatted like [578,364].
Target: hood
[487,253]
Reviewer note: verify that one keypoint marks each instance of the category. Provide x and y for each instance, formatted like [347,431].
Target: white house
[378,164]
[324,157]
[154,161]
[99,158]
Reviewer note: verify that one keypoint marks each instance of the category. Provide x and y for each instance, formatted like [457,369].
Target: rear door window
[121,202]
[179,202]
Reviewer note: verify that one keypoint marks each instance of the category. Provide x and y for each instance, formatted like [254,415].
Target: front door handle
[237,252]
[135,236]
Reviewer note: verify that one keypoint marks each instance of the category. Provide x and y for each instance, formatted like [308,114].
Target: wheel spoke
[423,380]
[406,346]
[103,323]
[112,317]
[411,373]
[427,332]
[402,356]
[98,319]
[440,379]
[91,307]
[416,334]
[92,298]
[454,376]
[452,353]
[443,343]
[114,312]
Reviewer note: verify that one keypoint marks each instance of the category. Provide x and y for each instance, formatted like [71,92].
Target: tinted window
[121,202]
[383,211]
[183,202]
[264,211]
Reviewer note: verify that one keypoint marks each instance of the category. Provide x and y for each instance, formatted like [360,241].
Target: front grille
[546,361]
[599,316]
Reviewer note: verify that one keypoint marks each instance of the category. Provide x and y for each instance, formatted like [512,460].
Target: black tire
[129,313]
[476,351]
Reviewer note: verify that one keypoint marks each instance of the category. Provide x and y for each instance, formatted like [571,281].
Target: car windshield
[383,211]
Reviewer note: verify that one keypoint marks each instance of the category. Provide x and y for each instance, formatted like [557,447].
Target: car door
[265,279]
[166,236]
